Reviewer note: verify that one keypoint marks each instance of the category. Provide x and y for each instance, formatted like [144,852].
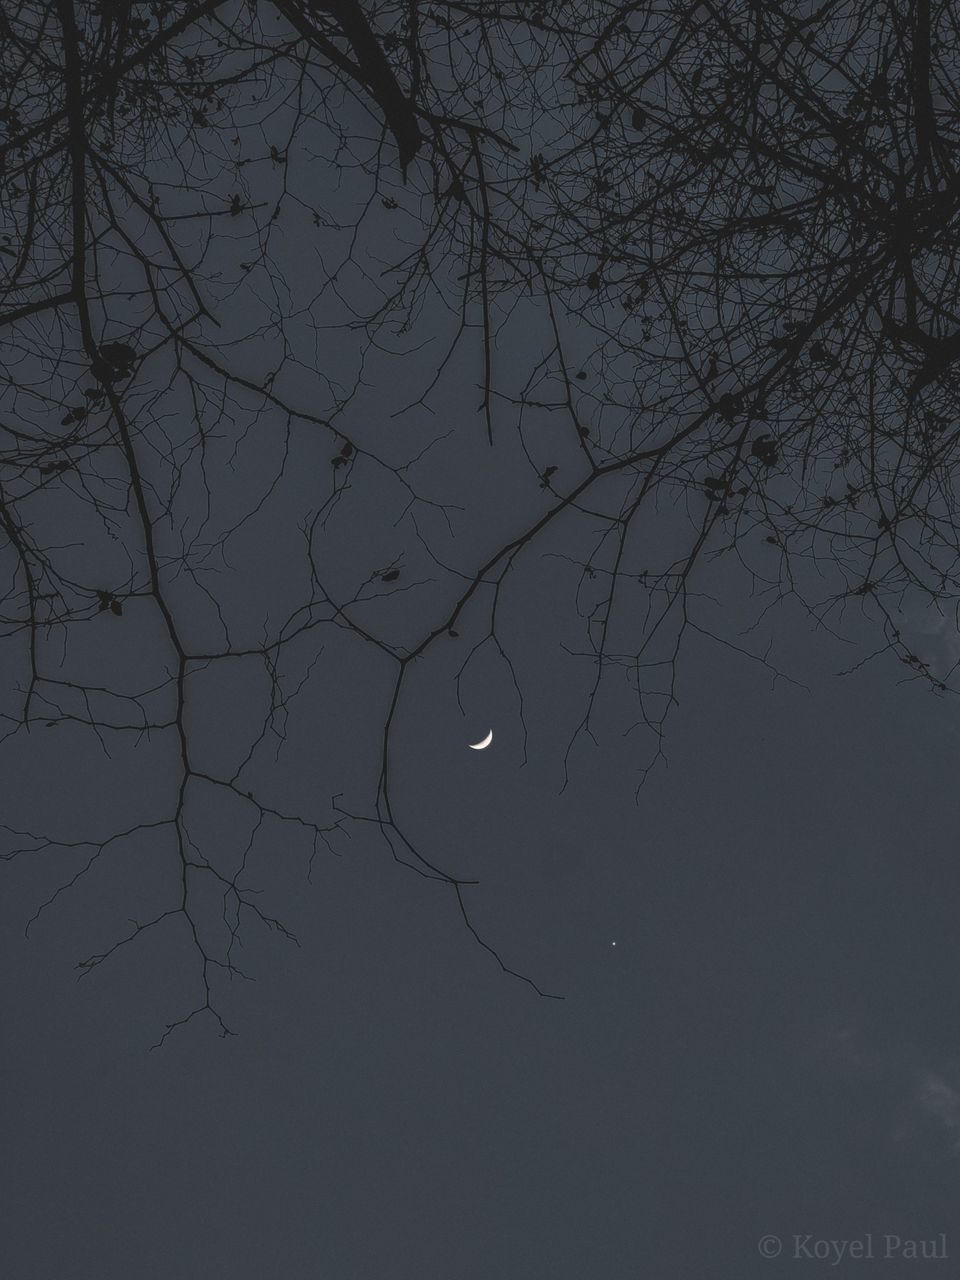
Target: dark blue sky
[770,1048]
[768,1057]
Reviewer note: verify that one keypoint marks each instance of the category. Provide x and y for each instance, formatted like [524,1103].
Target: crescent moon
[482,746]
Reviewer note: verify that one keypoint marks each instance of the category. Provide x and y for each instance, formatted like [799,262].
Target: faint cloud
[939,1100]
[923,1099]
[936,637]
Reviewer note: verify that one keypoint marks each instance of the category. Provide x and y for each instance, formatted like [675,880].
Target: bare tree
[726,231]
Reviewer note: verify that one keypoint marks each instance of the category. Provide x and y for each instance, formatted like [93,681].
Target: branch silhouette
[692,271]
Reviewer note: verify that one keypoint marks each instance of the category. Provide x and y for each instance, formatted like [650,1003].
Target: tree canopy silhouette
[695,262]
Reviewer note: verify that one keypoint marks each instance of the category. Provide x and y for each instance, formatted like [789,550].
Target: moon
[482,745]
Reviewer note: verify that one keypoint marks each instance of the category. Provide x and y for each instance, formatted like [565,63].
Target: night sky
[769,1048]
[752,1068]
